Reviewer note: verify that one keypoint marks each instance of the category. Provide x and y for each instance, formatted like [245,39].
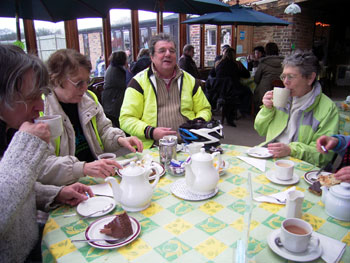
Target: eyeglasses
[80,84]
[162,51]
[289,77]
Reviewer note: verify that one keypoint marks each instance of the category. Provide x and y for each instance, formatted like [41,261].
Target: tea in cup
[54,122]
[284,170]
[280,97]
[296,235]
[194,147]
[110,156]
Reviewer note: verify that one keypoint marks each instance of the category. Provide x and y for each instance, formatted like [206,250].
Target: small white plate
[93,232]
[180,189]
[259,152]
[94,204]
[158,166]
[310,177]
[310,254]
[271,176]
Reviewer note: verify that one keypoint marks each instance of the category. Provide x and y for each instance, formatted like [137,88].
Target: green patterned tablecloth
[174,230]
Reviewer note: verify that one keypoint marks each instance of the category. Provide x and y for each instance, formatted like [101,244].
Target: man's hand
[267,99]
[279,149]
[101,168]
[160,132]
[343,174]
[129,142]
[41,130]
[73,194]
[328,142]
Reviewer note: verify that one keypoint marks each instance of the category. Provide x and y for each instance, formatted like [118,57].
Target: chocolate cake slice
[316,188]
[119,227]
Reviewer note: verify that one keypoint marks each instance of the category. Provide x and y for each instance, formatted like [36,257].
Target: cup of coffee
[280,97]
[194,147]
[111,156]
[54,122]
[296,235]
[284,170]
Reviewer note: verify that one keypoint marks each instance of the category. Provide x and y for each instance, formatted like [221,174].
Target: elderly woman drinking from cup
[23,150]
[87,132]
[294,128]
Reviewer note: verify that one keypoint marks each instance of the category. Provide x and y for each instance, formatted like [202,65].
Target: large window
[8,32]
[91,42]
[49,37]
[210,47]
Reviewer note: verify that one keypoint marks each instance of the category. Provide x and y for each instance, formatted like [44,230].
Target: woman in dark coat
[114,86]
[232,91]
[269,69]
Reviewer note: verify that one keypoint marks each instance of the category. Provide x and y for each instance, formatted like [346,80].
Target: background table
[174,230]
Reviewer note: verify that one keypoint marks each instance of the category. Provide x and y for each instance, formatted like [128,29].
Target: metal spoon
[111,241]
[278,200]
[105,209]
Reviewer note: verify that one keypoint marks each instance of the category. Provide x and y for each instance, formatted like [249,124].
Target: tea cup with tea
[296,235]
[284,170]
[110,156]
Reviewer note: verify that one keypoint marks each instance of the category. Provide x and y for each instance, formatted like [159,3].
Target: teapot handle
[218,162]
[153,185]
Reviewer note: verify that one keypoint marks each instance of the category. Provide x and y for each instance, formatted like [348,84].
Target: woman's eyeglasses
[288,77]
[80,84]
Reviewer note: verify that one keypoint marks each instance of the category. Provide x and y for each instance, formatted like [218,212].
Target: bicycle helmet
[198,130]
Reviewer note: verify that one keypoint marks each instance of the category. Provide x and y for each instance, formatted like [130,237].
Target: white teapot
[337,201]
[201,175]
[134,192]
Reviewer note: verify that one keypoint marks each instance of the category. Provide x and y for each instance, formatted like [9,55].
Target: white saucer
[180,189]
[94,204]
[310,254]
[310,177]
[158,166]
[93,232]
[259,152]
[271,176]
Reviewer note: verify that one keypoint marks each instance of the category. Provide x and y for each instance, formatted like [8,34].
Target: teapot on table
[337,201]
[134,192]
[200,174]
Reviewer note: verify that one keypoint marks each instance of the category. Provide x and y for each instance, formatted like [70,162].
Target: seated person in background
[114,86]
[162,97]
[187,63]
[223,48]
[229,68]
[253,59]
[23,150]
[293,130]
[339,144]
[269,69]
[143,61]
[87,132]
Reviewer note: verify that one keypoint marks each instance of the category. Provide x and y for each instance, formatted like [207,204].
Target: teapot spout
[324,193]
[117,191]
[190,177]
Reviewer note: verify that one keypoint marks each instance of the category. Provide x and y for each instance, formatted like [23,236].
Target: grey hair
[160,37]
[305,61]
[14,64]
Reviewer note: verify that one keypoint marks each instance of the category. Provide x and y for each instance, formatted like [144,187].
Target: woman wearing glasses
[86,130]
[293,130]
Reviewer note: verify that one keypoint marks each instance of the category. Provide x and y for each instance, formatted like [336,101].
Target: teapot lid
[202,156]
[341,190]
[132,169]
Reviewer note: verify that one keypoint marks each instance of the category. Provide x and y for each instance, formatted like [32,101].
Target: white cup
[54,122]
[107,156]
[296,235]
[194,147]
[280,97]
[284,170]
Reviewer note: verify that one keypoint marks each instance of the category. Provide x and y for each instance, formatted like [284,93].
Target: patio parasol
[239,15]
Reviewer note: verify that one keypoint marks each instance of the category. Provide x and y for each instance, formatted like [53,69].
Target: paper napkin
[333,249]
[260,164]
[280,196]
[102,189]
